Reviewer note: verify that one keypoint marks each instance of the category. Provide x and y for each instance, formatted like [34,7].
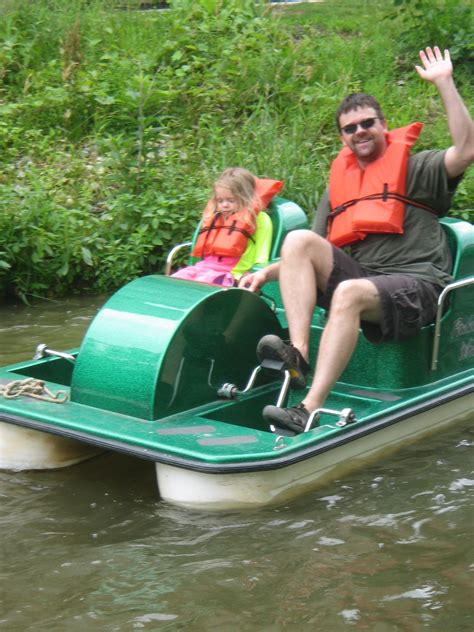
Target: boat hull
[27,449]
[223,491]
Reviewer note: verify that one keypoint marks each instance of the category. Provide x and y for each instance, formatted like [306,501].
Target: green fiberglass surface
[163,345]
[225,432]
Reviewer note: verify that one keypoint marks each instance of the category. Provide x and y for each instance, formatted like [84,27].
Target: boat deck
[226,434]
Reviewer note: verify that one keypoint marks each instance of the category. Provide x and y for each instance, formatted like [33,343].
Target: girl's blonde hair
[242,184]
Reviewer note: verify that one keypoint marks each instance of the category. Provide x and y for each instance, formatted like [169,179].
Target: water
[388,548]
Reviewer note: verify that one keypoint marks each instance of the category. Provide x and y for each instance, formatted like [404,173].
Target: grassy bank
[114,122]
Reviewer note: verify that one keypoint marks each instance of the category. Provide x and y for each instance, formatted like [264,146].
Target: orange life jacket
[228,237]
[222,237]
[371,200]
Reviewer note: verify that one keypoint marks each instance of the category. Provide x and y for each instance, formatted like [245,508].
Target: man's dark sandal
[287,421]
[272,347]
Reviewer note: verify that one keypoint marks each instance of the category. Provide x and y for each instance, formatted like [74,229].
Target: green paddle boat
[167,371]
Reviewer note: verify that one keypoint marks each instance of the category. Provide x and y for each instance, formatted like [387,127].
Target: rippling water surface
[91,547]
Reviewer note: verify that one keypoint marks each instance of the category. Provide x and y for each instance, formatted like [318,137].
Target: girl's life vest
[371,200]
[228,236]
[221,236]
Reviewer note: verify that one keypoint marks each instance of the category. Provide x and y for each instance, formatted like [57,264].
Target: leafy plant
[447,23]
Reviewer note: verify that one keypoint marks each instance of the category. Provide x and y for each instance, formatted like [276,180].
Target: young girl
[235,233]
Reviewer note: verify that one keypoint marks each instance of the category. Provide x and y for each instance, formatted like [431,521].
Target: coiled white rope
[32,388]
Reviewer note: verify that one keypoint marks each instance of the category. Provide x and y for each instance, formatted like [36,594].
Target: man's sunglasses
[365,124]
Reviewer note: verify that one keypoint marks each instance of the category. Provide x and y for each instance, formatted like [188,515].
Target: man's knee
[303,242]
[356,294]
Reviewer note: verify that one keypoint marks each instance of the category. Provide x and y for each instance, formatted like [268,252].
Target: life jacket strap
[379,196]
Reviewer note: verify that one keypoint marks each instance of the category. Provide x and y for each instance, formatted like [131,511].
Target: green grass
[114,122]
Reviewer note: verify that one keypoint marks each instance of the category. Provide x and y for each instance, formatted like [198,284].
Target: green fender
[161,345]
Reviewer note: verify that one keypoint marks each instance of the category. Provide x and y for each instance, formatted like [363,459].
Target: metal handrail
[172,253]
[437,333]
[346,416]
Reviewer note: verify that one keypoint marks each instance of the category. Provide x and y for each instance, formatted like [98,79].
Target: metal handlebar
[437,333]
[172,253]
[43,351]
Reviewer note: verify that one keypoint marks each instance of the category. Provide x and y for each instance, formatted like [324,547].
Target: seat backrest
[460,236]
[407,363]
[285,216]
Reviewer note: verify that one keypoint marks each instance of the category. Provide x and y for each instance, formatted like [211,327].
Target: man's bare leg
[352,300]
[305,266]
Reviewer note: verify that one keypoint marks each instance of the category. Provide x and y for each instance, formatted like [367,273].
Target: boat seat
[460,236]
[394,365]
[285,216]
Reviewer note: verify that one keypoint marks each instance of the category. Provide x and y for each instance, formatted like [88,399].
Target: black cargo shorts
[407,302]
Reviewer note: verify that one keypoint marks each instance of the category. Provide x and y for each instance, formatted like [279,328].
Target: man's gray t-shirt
[422,249]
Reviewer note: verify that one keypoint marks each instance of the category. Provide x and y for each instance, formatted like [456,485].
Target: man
[385,282]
